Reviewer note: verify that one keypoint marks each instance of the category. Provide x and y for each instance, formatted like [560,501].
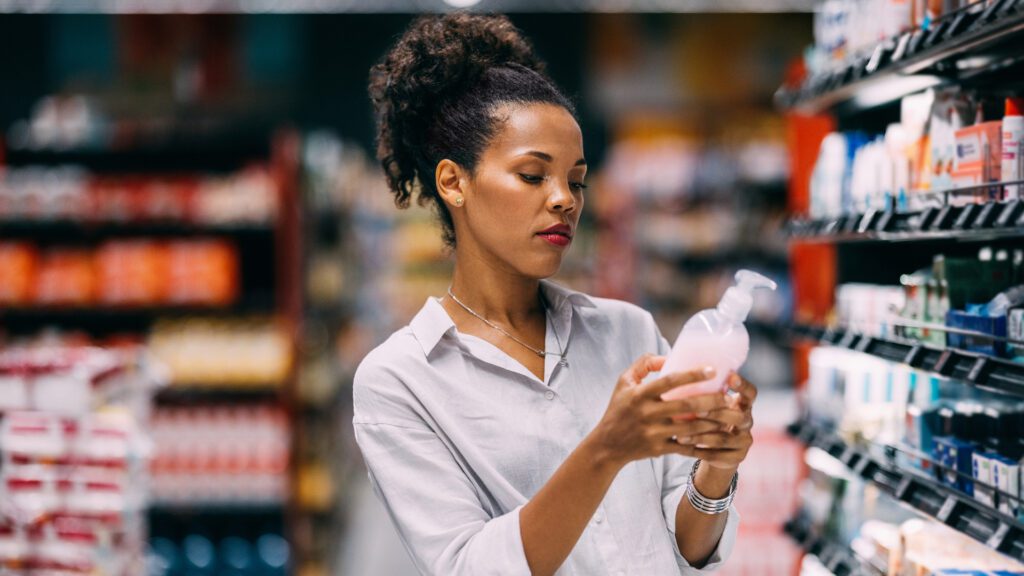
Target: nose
[562,200]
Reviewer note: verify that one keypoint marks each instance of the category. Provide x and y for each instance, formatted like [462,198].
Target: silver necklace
[561,353]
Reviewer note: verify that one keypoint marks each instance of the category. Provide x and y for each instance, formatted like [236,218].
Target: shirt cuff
[504,552]
[725,544]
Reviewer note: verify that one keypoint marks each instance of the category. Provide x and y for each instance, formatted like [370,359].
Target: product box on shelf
[72,454]
[982,323]
[978,154]
[984,491]
[1015,332]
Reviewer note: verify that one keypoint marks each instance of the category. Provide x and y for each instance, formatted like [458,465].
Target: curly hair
[435,93]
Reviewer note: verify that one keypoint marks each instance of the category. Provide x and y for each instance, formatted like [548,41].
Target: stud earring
[459,201]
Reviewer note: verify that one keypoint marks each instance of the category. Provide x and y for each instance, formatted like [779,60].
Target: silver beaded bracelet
[708,505]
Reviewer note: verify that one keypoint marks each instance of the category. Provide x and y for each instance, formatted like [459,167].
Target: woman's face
[523,202]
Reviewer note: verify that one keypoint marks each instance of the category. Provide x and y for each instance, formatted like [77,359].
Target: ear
[450,179]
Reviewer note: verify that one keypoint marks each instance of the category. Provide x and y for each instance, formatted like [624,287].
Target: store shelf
[968,44]
[224,508]
[189,394]
[113,320]
[989,372]
[972,223]
[212,154]
[836,557]
[72,231]
[926,496]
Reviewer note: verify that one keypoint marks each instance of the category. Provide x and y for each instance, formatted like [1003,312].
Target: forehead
[542,127]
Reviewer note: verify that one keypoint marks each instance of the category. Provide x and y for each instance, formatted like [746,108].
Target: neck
[508,299]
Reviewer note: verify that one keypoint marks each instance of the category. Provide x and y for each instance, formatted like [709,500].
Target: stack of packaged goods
[39,194]
[221,353]
[73,476]
[247,465]
[944,150]
[121,273]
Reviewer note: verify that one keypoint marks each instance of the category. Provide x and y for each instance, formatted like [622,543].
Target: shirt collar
[432,322]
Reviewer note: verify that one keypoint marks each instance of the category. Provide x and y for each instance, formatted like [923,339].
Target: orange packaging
[18,263]
[132,273]
[979,154]
[66,278]
[203,273]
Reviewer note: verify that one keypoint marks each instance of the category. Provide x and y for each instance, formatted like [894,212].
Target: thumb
[643,366]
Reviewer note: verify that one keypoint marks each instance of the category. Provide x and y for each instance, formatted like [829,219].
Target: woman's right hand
[638,424]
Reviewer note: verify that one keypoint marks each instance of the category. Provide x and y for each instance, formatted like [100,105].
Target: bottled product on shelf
[41,194]
[73,446]
[846,28]
[120,273]
[266,554]
[853,528]
[220,455]
[952,303]
[940,152]
[223,353]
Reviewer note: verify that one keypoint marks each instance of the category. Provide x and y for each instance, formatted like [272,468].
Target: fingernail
[709,371]
[685,439]
[703,414]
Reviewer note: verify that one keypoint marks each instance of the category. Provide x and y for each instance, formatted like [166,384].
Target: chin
[541,268]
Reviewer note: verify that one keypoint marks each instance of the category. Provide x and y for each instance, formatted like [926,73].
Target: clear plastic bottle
[715,337]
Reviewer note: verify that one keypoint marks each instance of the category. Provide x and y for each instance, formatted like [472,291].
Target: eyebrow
[548,158]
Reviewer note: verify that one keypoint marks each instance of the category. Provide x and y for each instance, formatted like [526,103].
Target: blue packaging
[977,322]
[955,454]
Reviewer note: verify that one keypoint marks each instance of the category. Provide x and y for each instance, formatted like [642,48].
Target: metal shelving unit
[971,223]
[981,370]
[926,496]
[949,51]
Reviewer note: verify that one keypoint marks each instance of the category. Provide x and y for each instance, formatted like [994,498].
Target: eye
[531,179]
[578,186]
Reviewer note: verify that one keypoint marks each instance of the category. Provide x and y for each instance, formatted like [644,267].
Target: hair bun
[439,56]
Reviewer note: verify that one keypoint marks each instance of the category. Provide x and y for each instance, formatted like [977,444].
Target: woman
[493,426]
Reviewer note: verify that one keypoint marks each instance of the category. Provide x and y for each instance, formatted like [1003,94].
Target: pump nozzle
[738,299]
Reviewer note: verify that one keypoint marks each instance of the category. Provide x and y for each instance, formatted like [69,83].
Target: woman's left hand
[727,448]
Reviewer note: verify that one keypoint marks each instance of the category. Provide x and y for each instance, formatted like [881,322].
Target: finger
[710,455]
[665,383]
[639,370]
[745,388]
[717,441]
[737,419]
[685,430]
[702,405]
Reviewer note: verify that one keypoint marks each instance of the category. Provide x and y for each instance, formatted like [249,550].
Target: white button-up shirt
[458,436]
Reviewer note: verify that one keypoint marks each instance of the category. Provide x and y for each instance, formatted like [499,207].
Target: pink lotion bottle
[715,337]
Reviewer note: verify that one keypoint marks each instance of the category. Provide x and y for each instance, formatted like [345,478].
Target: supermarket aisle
[371,546]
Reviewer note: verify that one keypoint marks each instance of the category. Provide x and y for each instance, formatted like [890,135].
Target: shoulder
[622,313]
[380,387]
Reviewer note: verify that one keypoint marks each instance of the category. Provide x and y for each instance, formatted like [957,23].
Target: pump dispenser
[715,337]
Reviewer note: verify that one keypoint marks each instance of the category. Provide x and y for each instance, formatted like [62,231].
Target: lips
[559,234]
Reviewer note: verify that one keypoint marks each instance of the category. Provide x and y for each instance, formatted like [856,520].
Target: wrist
[601,457]
[714,481]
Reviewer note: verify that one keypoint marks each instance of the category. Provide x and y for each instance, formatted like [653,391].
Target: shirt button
[549,395]
[598,518]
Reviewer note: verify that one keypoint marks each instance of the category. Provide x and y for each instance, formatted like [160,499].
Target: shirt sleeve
[429,497]
[675,478]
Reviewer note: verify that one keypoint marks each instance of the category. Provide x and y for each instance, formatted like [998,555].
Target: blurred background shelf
[973,46]
[69,231]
